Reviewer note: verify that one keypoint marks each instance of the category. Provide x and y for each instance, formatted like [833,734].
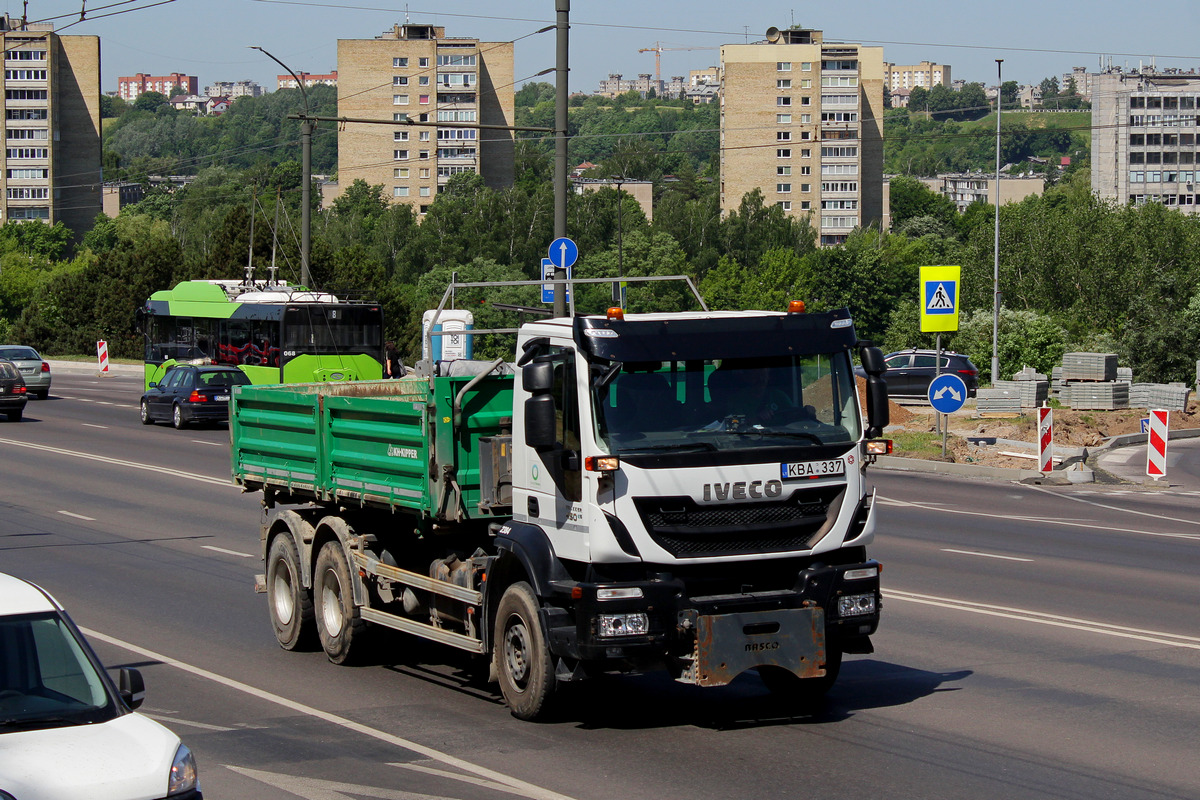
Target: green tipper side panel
[367,442]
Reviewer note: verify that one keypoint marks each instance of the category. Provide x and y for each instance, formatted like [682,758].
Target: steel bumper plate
[729,644]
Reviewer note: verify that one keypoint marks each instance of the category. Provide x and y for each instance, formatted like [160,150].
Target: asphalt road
[1036,642]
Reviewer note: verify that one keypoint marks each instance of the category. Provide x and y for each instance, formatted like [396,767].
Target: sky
[1036,38]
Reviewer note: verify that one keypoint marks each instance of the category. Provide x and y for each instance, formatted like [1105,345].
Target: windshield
[46,677]
[726,404]
[19,354]
[223,379]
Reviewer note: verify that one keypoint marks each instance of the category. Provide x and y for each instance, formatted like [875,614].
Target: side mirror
[540,428]
[872,361]
[131,687]
[153,384]
[877,405]
[538,377]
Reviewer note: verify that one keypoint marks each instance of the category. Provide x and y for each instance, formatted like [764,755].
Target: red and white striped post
[1045,439]
[102,355]
[1156,445]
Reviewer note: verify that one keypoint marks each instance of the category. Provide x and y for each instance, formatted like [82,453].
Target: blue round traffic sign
[947,393]
[563,252]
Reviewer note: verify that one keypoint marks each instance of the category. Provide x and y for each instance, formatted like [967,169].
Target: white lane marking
[210,444]
[1065,522]
[983,555]
[1025,615]
[105,402]
[204,726]
[191,476]
[84,399]
[441,773]
[90,425]
[527,789]
[77,516]
[1117,508]
[226,552]
[317,789]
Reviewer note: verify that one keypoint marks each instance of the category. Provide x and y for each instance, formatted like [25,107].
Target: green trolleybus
[273,332]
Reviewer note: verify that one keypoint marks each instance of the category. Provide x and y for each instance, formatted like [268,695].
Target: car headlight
[182,777]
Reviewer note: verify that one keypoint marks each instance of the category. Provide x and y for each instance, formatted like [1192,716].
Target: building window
[783,188]
[400,136]
[399,62]
[24,74]
[806,187]
[25,94]
[424,136]
[28,152]
[424,191]
[422,62]
[25,55]
[783,136]
[805,119]
[783,83]
[806,83]
[29,213]
[29,193]
[424,172]
[25,113]
[783,152]
[399,191]
[424,155]
[424,99]
[786,205]
[398,117]
[806,135]
[423,80]
[806,170]
[399,80]
[783,170]
[400,172]
[456,61]
[400,155]
[806,101]
[783,66]
[805,205]
[27,133]
[399,99]
[783,101]
[783,119]
[424,209]
[30,174]
[806,66]
[805,152]
[456,116]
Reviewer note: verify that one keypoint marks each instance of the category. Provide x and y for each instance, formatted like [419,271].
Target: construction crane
[658,50]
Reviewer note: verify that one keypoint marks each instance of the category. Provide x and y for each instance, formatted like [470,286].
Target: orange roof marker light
[796,307]
[616,313]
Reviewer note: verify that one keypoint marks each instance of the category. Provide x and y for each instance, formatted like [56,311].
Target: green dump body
[391,443]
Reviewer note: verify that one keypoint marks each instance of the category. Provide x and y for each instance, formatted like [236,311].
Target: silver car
[34,369]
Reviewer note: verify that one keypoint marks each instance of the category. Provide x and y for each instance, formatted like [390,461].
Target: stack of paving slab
[1056,382]
[999,399]
[1090,381]
[1169,397]
[1029,393]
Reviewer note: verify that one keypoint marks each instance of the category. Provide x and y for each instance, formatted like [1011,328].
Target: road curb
[88,368]
[903,464]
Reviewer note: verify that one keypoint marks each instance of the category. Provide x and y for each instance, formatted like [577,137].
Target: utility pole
[562,25]
[996,246]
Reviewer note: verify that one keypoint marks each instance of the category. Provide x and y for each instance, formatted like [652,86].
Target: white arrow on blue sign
[563,252]
[947,393]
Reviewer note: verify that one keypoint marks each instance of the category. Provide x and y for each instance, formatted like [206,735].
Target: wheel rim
[178,415]
[282,595]
[516,653]
[145,412]
[331,604]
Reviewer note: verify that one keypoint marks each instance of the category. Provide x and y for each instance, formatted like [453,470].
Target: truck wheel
[290,603]
[523,663]
[791,689]
[338,620]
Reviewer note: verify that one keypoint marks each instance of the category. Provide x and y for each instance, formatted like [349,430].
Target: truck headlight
[609,625]
[855,605]
[182,777]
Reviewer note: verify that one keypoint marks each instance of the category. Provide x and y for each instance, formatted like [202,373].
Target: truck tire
[523,663]
[290,603]
[339,624]
[791,689]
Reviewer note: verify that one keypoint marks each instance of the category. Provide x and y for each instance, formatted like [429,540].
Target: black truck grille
[686,529]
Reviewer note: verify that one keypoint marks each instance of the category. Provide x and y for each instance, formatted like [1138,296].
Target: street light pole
[562,26]
[306,130]
[996,244]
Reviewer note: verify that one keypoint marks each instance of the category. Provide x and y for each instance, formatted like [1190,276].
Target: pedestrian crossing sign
[939,299]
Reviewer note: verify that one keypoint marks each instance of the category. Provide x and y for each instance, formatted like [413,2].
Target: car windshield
[19,354]
[727,404]
[46,677]
[234,377]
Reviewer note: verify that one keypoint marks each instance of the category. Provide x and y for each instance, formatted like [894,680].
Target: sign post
[563,252]
[1156,445]
[1045,439]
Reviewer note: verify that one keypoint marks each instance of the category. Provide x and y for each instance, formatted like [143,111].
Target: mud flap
[729,644]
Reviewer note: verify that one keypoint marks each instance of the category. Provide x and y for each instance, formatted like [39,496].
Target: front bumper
[709,640]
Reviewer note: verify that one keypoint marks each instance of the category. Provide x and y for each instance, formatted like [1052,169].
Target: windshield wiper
[675,446]
[17,723]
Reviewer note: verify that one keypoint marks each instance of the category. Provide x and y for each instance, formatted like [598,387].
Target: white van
[66,731]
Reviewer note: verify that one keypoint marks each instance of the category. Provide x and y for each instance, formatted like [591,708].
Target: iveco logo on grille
[742,490]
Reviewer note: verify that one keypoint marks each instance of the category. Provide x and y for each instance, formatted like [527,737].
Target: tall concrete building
[1145,132]
[414,73]
[128,88]
[926,74]
[51,168]
[802,120]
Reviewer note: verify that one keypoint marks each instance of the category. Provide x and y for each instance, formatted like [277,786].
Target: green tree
[150,101]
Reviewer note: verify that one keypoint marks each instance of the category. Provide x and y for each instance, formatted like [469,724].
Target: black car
[191,394]
[909,372]
[13,394]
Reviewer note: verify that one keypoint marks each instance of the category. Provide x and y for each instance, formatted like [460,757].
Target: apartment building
[1083,82]
[51,169]
[233,89]
[1146,137]
[616,84]
[130,87]
[967,188]
[289,81]
[802,121]
[927,75]
[416,74]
